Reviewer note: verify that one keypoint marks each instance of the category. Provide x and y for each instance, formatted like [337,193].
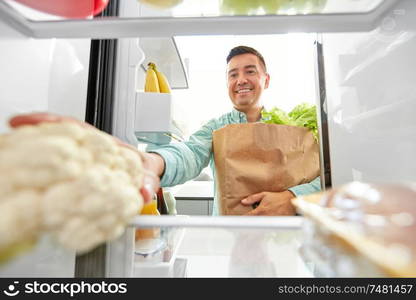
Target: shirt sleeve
[184,161]
[307,188]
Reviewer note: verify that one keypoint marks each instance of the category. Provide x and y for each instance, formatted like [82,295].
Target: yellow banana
[151,82]
[164,86]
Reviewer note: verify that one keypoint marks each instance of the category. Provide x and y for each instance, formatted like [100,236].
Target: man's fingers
[146,194]
[250,200]
[151,184]
[254,212]
[258,211]
[36,118]
[33,119]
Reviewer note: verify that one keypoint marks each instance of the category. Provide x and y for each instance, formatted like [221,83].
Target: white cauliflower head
[73,182]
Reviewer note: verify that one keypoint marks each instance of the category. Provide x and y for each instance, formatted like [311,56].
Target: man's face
[246,81]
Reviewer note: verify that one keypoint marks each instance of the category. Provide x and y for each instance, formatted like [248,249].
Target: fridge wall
[42,75]
[371,95]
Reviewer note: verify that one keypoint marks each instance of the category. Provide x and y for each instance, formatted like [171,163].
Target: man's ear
[266,83]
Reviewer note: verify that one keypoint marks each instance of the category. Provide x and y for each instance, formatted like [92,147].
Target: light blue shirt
[185,160]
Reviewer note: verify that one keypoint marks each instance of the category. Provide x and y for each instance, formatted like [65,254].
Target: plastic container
[157,257]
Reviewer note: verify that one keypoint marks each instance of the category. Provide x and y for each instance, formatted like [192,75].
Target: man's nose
[241,80]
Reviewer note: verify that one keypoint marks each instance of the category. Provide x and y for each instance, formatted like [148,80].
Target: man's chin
[243,104]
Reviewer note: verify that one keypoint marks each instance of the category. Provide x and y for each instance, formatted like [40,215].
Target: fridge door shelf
[153,120]
[159,261]
[353,16]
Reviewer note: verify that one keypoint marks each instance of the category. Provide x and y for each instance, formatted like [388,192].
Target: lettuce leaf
[302,115]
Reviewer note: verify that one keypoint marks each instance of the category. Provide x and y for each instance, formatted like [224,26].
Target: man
[177,163]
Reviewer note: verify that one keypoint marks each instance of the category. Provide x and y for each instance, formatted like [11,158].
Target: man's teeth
[243,91]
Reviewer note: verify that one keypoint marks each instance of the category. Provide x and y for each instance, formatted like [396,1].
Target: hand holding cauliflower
[69,180]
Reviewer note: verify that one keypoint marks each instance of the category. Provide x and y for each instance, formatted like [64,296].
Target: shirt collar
[241,117]
[238,116]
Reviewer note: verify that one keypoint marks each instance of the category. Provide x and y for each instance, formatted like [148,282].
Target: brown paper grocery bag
[257,157]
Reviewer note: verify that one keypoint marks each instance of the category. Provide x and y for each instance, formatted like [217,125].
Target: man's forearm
[155,163]
[307,188]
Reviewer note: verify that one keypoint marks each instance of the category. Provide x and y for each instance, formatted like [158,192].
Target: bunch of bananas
[156,81]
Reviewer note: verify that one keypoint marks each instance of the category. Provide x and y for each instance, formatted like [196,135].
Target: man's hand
[152,171]
[153,165]
[271,204]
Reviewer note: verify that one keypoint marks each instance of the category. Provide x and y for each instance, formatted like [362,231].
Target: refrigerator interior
[372,134]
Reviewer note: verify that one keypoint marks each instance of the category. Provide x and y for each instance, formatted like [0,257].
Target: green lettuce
[302,115]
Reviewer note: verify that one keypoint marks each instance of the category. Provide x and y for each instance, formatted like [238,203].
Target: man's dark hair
[243,50]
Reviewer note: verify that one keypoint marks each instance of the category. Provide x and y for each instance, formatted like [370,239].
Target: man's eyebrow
[250,66]
[245,67]
[232,70]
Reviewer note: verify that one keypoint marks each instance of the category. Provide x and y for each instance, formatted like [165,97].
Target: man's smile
[243,91]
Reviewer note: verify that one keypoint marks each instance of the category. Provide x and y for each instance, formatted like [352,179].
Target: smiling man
[177,163]
[247,77]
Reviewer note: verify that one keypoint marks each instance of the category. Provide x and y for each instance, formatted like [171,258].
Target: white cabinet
[194,198]
[192,207]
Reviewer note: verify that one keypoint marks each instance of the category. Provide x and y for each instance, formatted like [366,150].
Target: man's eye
[251,72]
[233,75]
